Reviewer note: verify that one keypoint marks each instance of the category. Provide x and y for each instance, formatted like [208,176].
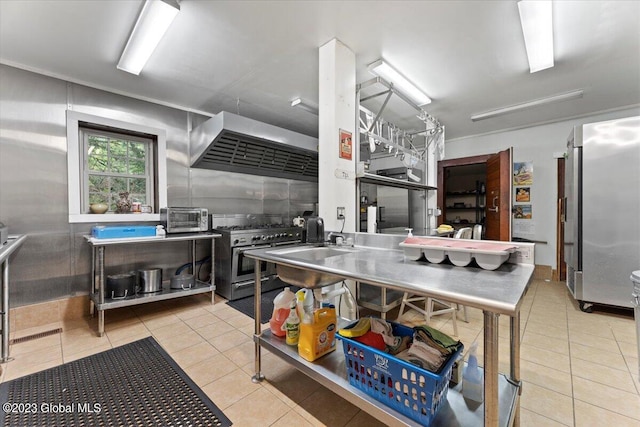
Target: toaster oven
[184,219]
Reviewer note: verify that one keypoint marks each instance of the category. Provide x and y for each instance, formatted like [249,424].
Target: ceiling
[253,57]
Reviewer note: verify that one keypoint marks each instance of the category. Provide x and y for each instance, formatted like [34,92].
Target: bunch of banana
[443,228]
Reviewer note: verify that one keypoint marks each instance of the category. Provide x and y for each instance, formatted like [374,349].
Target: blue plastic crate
[122,231]
[403,386]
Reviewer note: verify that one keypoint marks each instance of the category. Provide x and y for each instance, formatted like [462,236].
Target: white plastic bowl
[491,261]
[460,258]
[435,256]
[413,254]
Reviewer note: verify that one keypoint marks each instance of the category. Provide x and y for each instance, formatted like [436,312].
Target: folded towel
[436,339]
[385,329]
[432,358]
[423,356]
[403,344]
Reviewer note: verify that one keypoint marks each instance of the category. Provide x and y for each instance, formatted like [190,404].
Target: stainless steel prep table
[495,292]
[101,303]
[12,244]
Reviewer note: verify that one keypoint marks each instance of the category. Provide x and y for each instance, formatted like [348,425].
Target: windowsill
[122,218]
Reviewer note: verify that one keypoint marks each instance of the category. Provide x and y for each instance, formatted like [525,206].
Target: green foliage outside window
[116,165]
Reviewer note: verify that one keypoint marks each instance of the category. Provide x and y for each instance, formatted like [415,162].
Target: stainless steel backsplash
[55,260]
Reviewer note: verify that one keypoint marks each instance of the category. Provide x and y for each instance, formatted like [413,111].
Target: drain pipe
[328,296]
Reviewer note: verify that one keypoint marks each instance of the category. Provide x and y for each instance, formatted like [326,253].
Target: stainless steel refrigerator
[602,211]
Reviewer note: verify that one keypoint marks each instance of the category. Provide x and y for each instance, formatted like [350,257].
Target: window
[114,163]
[106,157]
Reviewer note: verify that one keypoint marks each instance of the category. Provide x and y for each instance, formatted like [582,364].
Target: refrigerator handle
[563,210]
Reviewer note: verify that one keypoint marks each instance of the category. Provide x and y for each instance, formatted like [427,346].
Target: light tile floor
[578,369]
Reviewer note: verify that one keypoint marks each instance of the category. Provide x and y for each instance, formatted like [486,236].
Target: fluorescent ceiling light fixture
[298,102]
[536,18]
[384,70]
[526,105]
[152,24]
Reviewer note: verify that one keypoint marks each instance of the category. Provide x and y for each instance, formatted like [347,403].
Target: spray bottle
[305,305]
[292,325]
[472,378]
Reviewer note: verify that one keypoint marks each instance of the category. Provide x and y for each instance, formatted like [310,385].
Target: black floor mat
[246,305]
[137,384]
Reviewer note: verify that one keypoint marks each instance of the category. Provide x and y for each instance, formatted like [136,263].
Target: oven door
[243,268]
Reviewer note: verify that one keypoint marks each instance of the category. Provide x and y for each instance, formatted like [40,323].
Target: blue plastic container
[122,231]
[403,386]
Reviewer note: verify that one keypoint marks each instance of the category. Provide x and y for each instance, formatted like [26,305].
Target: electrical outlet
[340,212]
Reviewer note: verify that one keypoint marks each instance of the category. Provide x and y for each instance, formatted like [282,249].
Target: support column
[337,116]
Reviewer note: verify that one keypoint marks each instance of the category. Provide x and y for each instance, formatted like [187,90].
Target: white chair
[409,300]
[477,232]
[463,233]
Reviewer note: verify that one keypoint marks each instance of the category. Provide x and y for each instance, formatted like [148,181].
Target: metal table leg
[92,306]
[193,259]
[5,312]
[213,273]
[257,314]
[101,291]
[491,409]
[515,361]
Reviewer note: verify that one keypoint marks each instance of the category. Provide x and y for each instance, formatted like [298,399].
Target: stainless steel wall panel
[303,196]
[275,189]
[225,185]
[42,257]
[227,193]
[306,192]
[55,261]
[33,191]
[276,196]
[36,291]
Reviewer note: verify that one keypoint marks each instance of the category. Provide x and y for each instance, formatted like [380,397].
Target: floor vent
[35,336]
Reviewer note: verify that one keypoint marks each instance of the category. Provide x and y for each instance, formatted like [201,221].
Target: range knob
[236,241]
[263,237]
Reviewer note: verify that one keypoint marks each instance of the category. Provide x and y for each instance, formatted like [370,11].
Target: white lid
[635,276]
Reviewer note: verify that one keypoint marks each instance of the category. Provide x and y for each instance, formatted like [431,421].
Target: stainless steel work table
[101,303]
[495,292]
[12,244]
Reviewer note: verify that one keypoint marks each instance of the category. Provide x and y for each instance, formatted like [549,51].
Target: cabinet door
[498,202]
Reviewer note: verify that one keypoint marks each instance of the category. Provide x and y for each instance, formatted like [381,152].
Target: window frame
[76,169]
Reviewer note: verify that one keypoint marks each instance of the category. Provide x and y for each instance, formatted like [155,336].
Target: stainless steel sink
[317,253]
[298,276]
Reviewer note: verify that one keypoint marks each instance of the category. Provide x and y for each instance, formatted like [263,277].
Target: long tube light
[575,94]
[536,17]
[154,21]
[384,70]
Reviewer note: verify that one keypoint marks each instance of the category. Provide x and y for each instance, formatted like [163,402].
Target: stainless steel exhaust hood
[233,143]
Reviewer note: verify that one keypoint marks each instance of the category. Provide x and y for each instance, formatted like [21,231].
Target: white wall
[537,144]
[337,100]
